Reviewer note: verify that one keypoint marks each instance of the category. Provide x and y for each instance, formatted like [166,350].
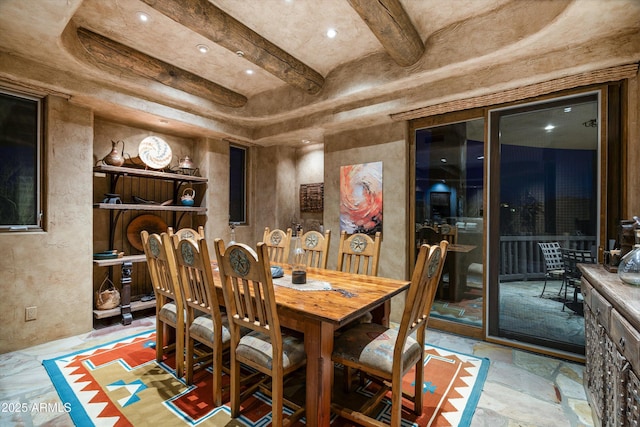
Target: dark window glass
[237,185]
[19,162]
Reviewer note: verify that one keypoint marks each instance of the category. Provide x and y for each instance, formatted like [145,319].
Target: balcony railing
[521,258]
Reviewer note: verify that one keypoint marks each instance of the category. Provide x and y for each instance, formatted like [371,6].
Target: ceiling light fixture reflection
[203,48]
[549,128]
[143,17]
[331,33]
[480,158]
[443,160]
[567,109]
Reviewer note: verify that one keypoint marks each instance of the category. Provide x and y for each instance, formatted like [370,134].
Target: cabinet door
[616,367]
[626,338]
[594,361]
[632,415]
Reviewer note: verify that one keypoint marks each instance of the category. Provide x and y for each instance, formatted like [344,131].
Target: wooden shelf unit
[116,211]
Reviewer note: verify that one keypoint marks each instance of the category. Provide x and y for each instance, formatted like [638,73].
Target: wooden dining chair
[169,301]
[384,354]
[187,233]
[278,244]
[250,301]
[316,246]
[449,233]
[359,253]
[204,321]
[427,235]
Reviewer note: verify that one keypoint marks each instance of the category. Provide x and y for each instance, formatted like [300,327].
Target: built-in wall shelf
[119,261]
[134,306]
[145,173]
[148,207]
[138,187]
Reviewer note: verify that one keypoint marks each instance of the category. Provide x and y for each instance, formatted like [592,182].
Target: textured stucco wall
[52,270]
[386,143]
[274,190]
[310,170]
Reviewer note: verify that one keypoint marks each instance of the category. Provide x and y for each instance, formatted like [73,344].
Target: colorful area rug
[121,384]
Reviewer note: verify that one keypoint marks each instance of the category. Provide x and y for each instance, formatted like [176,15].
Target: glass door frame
[492,186]
[433,121]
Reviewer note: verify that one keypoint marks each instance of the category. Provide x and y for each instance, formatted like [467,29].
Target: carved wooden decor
[312,197]
[389,22]
[112,54]
[207,20]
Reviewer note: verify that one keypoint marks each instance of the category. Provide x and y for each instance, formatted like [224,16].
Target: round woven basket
[107,297]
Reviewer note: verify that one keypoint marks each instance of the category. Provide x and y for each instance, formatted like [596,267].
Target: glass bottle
[232,226]
[299,273]
[629,268]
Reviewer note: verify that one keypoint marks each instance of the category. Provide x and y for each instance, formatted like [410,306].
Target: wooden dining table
[319,313]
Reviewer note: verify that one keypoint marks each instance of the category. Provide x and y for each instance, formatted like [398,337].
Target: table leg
[318,344]
[125,301]
[382,313]
[457,276]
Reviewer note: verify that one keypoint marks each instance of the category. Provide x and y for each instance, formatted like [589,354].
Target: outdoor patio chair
[553,264]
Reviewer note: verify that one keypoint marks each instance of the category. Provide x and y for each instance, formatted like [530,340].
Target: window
[237,185]
[20,162]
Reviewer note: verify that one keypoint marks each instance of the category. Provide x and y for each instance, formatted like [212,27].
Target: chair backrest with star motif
[359,253]
[316,246]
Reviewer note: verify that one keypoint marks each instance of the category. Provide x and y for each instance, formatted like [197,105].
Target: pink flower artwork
[361,198]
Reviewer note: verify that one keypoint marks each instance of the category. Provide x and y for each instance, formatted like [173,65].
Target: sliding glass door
[544,189]
[449,189]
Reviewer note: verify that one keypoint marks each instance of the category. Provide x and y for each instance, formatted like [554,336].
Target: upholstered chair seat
[371,345]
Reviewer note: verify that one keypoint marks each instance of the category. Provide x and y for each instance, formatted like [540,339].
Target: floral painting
[361,198]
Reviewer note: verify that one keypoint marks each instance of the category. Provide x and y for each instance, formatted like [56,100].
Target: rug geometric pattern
[121,384]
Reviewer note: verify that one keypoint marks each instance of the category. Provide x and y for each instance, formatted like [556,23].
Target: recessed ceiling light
[443,160]
[331,33]
[250,72]
[143,17]
[567,109]
[203,48]
[549,127]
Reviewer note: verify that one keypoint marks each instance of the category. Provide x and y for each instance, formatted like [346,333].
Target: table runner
[311,285]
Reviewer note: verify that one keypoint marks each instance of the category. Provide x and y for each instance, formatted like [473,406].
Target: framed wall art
[312,197]
[361,198]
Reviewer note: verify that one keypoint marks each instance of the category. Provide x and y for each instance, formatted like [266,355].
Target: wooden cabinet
[139,192]
[612,349]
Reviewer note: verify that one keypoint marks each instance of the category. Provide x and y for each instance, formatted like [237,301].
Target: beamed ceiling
[388,57]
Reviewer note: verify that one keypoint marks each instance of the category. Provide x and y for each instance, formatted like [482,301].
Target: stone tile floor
[522,389]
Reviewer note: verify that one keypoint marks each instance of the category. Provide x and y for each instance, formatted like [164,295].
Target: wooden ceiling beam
[390,23]
[216,25]
[117,56]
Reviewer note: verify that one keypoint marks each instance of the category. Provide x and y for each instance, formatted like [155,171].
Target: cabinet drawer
[626,338]
[601,309]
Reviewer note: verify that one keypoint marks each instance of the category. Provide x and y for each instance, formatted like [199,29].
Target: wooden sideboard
[612,335]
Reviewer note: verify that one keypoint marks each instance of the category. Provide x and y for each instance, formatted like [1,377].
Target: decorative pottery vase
[114,158]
